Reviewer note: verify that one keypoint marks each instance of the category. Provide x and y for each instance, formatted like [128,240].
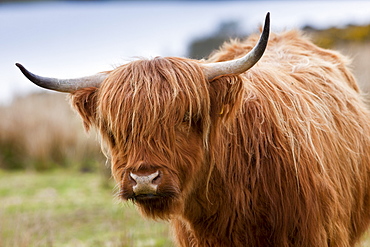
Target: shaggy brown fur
[277,156]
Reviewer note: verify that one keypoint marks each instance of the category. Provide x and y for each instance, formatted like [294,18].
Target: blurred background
[55,187]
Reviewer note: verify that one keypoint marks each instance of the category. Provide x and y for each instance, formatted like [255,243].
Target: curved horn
[63,85]
[242,64]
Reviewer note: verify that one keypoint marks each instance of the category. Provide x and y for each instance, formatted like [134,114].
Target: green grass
[64,208]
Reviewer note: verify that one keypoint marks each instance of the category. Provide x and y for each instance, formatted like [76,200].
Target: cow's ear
[226,96]
[85,102]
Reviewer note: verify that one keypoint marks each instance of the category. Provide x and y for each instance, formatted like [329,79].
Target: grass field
[63,208]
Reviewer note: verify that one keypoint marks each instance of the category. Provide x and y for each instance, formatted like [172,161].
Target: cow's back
[303,137]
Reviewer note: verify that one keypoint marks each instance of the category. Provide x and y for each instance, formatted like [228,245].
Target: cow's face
[156,117]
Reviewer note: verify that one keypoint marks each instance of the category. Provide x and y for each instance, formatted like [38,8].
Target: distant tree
[333,36]
[201,47]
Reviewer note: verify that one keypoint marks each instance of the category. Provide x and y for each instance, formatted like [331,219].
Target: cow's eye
[111,137]
[186,117]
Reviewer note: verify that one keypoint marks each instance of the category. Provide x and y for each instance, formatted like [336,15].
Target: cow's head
[156,117]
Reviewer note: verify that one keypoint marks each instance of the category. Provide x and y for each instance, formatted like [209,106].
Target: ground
[65,208]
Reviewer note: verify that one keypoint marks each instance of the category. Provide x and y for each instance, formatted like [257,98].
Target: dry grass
[360,55]
[40,131]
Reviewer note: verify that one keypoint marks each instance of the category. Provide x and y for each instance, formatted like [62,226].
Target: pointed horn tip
[267,20]
[20,66]
[26,73]
[242,64]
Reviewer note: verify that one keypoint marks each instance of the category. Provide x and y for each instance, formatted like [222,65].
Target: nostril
[132,178]
[156,179]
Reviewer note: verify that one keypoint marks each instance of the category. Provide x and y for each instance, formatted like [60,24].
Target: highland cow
[277,154]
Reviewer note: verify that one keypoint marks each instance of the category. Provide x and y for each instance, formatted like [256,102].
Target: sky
[73,39]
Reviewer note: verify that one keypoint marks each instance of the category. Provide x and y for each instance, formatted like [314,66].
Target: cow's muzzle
[145,185]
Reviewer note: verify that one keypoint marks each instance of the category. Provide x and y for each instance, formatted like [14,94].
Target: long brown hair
[278,155]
